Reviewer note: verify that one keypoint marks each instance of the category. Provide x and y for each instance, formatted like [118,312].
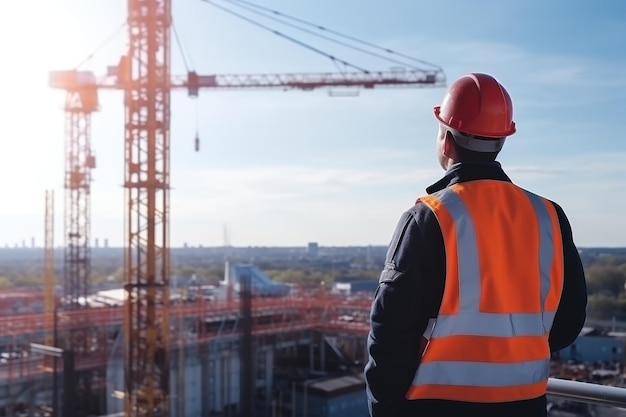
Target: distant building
[342,396]
[260,283]
[313,249]
[590,346]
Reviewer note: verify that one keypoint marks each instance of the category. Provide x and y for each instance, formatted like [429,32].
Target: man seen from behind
[482,280]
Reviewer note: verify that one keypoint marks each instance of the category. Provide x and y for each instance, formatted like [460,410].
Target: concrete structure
[207,377]
[304,331]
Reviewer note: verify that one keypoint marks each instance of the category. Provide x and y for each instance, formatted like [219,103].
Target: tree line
[605,274]
[110,272]
[606,280]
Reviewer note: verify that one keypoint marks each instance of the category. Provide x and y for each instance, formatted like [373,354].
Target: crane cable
[186,57]
[322,28]
[99,47]
[188,63]
[287,37]
[243,4]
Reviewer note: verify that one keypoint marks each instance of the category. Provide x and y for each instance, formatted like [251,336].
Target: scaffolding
[198,322]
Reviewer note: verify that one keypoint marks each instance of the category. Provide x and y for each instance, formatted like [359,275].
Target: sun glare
[34,38]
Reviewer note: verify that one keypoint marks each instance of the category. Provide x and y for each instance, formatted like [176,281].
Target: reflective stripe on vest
[504,276]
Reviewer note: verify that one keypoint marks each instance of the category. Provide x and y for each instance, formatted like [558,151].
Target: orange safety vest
[504,276]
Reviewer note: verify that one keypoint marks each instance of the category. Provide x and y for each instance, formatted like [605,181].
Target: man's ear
[448,145]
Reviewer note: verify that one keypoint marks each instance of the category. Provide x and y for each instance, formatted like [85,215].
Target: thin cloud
[305,179]
[517,64]
[560,74]
[295,187]
[535,169]
[582,168]
[598,163]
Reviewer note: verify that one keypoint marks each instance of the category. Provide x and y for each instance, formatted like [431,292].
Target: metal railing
[587,392]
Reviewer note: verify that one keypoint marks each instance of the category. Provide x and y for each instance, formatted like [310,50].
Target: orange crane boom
[193,82]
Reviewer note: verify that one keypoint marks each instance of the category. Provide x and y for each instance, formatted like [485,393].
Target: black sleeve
[409,293]
[571,314]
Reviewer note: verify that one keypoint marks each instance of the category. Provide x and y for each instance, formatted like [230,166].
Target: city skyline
[276,166]
[185,245]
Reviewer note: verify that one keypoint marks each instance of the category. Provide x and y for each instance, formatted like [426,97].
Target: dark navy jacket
[410,291]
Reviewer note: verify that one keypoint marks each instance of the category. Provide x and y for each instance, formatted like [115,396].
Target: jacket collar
[469,171]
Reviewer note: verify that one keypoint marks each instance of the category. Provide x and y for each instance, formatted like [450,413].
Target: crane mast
[147,183]
[79,104]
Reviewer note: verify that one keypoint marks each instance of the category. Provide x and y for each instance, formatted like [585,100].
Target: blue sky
[285,168]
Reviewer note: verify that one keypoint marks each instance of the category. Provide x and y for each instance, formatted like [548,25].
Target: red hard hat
[478,105]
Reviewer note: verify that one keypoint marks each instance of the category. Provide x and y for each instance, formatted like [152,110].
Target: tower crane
[81,100]
[80,103]
[143,74]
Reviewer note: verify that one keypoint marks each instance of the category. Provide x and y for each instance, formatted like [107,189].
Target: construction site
[256,348]
[234,352]
[250,346]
